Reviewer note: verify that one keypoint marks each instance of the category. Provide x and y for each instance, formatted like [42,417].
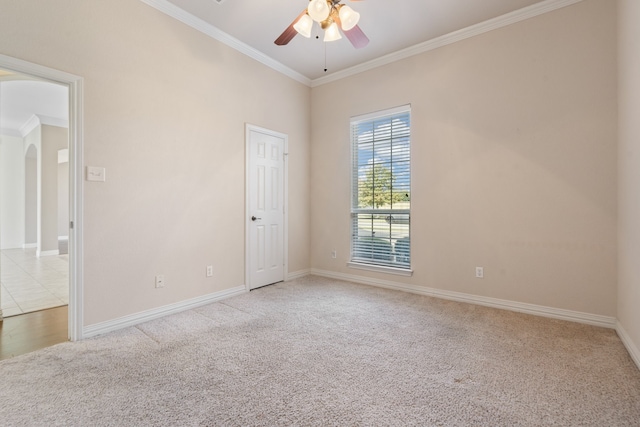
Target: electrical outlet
[480,272]
[209,270]
[160,281]
[334,254]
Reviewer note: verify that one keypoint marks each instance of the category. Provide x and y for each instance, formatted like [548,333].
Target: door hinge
[71,225]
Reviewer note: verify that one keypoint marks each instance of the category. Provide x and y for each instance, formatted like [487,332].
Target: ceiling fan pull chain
[325,57]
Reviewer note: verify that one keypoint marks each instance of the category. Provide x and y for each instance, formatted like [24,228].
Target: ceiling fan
[332,16]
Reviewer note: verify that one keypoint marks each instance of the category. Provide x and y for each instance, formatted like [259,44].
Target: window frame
[359,262]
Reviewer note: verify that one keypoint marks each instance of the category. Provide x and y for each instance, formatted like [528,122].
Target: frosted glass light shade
[332,33]
[349,18]
[318,10]
[304,25]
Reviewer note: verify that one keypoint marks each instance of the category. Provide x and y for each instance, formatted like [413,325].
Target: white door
[266,208]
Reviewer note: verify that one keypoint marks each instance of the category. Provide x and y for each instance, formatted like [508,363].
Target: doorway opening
[34,194]
[40,193]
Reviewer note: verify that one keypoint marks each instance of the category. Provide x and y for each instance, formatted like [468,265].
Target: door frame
[76,262]
[285,182]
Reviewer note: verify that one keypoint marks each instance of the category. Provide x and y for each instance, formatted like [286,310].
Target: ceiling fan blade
[357,38]
[288,34]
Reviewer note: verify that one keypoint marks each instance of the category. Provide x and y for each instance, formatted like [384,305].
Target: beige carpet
[321,352]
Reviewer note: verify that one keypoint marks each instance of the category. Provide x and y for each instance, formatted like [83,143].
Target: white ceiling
[22,97]
[390,25]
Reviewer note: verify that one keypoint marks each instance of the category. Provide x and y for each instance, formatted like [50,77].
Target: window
[381,189]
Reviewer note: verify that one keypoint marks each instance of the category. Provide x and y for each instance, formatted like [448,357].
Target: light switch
[96,174]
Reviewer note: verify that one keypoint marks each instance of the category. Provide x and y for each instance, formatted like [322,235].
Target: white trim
[75,85]
[29,245]
[14,77]
[196,23]
[47,253]
[298,274]
[447,39]
[76,216]
[285,243]
[29,125]
[634,352]
[401,109]
[285,177]
[520,307]
[247,203]
[156,313]
[380,268]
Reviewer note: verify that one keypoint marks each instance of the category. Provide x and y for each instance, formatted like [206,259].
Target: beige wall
[514,161]
[629,170]
[165,109]
[514,145]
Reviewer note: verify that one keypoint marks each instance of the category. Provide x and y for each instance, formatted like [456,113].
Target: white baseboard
[537,310]
[29,245]
[297,274]
[47,253]
[156,313]
[10,246]
[633,350]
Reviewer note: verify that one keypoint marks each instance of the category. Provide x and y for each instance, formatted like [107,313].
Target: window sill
[380,269]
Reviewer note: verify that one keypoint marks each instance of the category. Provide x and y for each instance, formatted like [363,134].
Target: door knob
[253,218]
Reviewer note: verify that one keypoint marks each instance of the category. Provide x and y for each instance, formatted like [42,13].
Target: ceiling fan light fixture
[348,17]
[326,23]
[304,25]
[333,17]
[318,10]
[332,33]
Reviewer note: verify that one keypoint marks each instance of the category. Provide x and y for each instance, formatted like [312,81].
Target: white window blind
[381,188]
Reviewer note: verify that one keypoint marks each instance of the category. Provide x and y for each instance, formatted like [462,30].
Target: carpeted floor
[320,352]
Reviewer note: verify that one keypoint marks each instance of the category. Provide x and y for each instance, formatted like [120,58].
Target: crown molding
[198,24]
[29,125]
[37,120]
[447,39]
[204,27]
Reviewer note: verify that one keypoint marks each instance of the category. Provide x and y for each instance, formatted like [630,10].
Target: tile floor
[29,283]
